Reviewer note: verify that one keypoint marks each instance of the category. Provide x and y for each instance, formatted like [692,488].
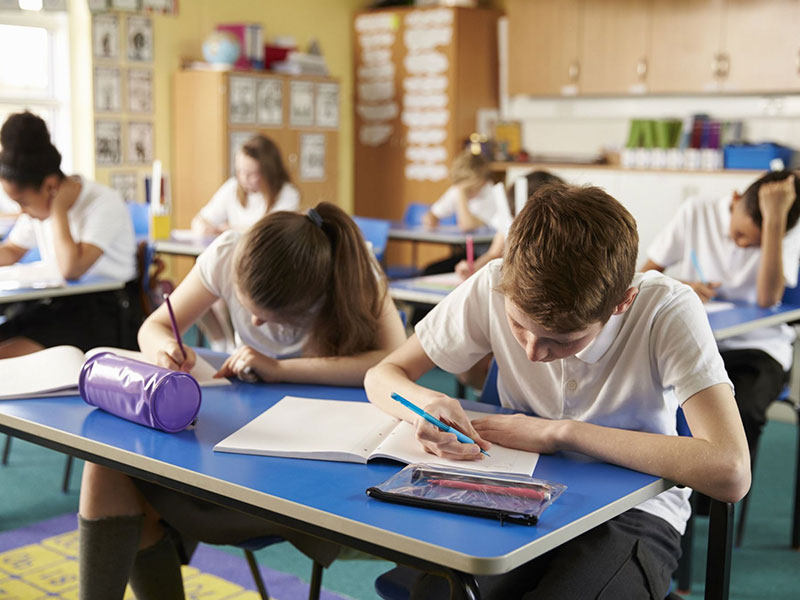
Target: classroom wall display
[108,142]
[107,89]
[126,5]
[140,143]
[165,7]
[312,157]
[127,184]
[242,100]
[327,104]
[105,36]
[140,90]
[269,102]
[139,39]
[301,103]
[375,76]
[237,140]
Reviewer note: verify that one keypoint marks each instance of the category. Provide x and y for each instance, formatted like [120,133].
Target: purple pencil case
[140,392]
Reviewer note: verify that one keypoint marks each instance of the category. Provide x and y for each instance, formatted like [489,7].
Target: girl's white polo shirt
[224,208]
[634,375]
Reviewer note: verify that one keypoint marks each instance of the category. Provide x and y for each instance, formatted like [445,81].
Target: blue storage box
[756,156]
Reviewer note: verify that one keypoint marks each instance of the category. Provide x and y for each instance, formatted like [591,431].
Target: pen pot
[140,392]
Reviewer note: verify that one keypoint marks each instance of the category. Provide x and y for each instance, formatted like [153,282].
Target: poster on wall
[140,39]
[236,141]
[166,7]
[126,5]
[107,90]
[140,143]
[242,100]
[312,157]
[127,184]
[327,105]
[301,104]
[270,102]
[105,37]
[108,142]
[140,91]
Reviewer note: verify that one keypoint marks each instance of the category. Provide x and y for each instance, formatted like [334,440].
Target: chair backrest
[489,392]
[376,232]
[416,210]
[140,216]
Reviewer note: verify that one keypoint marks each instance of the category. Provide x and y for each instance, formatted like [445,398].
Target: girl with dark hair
[261,186]
[309,305]
[80,228]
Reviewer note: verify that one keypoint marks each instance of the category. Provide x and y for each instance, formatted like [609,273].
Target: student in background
[748,249]
[534,179]
[602,356]
[310,306]
[81,228]
[261,186]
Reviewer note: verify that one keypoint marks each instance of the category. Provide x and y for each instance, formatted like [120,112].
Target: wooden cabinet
[544,46]
[420,75]
[653,46]
[215,112]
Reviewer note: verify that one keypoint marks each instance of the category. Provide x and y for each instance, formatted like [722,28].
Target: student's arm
[430,220]
[465,220]
[190,301]
[494,251]
[10,253]
[73,258]
[715,461]
[338,370]
[213,217]
[775,199]
[706,291]
[202,227]
[397,373]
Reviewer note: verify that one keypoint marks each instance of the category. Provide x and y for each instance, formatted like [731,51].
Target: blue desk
[443,234]
[183,242]
[428,289]
[85,285]
[747,317]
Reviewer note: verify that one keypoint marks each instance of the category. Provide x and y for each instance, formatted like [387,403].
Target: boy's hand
[248,365]
[519,431]
[775,198]
[171,357]
[706,291]
[434,440]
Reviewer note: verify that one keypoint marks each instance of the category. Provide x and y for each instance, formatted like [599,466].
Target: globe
[221,48]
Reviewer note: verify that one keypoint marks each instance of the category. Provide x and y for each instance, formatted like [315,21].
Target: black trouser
[757,382]
[630,556]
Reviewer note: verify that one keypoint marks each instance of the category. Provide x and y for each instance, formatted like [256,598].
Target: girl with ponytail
[309,305]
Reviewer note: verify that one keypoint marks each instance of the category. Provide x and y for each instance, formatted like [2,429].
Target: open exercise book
[352,432]
[54,372]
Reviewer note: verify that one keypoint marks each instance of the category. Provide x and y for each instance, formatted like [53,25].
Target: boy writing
[748,249]
[601,355]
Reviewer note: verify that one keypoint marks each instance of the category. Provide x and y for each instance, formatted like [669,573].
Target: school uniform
[757,361]
[192,519]
[634,375]
[485,206]
[98,217]
[224,208]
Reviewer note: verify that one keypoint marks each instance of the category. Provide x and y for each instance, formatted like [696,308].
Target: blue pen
[434,421]
[697,268]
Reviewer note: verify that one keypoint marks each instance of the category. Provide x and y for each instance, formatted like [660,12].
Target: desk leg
[720,541]
[463,586]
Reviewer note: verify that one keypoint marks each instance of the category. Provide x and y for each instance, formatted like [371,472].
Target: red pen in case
[513,498]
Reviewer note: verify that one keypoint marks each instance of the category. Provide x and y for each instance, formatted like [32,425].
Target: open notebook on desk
[54,372]
[352,432]
[36,275]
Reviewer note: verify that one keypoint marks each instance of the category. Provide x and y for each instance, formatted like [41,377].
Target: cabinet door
[543,46]
[684,47]
[614,47]
[762,45]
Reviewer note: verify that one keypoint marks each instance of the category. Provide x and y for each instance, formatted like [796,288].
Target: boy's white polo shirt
[703,225]
[634,375]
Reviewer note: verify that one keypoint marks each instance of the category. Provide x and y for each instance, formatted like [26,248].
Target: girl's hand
[519,431]
[775,198]
[249,365]
[171,357]
[463,270]
[438,442]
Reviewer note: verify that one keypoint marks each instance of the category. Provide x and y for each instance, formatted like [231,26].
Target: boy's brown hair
[571,256]
[468,166]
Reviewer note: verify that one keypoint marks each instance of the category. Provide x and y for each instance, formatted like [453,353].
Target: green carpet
[764,567]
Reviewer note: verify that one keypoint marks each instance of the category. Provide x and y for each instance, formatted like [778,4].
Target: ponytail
[291,264]
[27,156]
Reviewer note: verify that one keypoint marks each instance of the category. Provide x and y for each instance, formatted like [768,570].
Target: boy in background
[748,249]
[604,358]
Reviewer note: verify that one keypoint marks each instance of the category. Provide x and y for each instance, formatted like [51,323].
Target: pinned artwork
[108,142]
[105,37]
[312,157]
[236,141]
[140,90]
[140,39]
[301,104]
[374,135]
[107,90]
[378,112]
[127,184]
[242,100]
[327,105]
[140,143]
[376,102]
[269,102]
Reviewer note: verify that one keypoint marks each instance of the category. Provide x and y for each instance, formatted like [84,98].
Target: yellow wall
[181,36]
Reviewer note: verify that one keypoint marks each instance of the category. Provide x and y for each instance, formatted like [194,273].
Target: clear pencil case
[513,498]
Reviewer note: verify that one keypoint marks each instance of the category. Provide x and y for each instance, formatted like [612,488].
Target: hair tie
[314,217]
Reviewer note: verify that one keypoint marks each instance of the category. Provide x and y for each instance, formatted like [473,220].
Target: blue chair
[413,218]
[376,232]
